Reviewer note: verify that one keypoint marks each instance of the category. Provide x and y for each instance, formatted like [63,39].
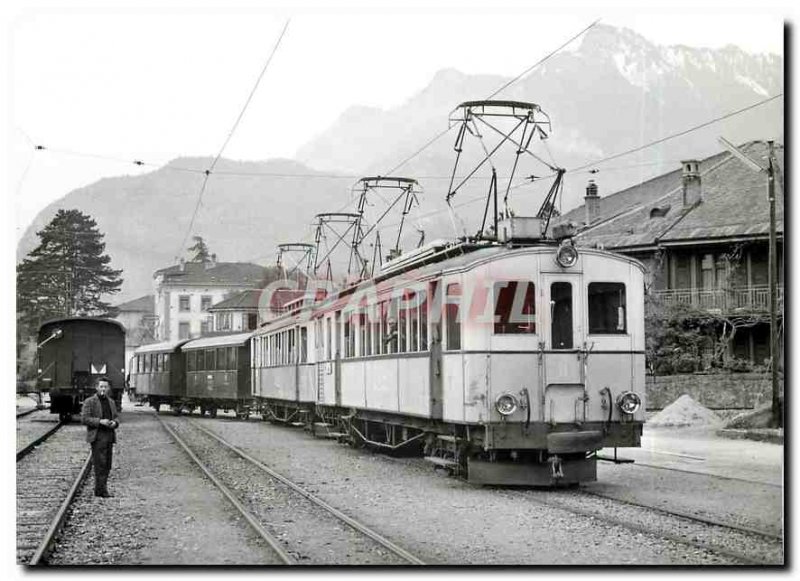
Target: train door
[564,389]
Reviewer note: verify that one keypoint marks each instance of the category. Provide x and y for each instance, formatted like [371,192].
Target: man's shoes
[104,494]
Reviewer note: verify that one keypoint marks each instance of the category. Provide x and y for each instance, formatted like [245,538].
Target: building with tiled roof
[185,292]
[249,309]
[703,233]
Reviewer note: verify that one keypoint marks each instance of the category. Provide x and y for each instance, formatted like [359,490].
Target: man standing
[99,415]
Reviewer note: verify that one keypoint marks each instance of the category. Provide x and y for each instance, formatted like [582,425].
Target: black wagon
[73,352]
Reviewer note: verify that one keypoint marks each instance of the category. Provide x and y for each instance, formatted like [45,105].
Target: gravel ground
[163,512]
[309,533]
[444,520]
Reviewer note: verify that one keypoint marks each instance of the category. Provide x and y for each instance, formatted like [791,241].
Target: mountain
[614,92]
[247,208]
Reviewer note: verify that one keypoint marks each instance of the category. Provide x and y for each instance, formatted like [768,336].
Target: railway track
[47,482]
[739,545]
[32,436]
[305,528]
[26,412]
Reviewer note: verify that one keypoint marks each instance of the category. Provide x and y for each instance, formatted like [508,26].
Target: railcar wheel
[212,412]
[65,417]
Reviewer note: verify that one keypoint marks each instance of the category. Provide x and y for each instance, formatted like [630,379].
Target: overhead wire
[229,137]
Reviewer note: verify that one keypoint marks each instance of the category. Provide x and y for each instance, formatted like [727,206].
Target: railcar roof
[218,341]
[82,319]
[165,346]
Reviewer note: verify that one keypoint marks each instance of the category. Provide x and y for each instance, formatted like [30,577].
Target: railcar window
[402,330]
[338,333]
[392,327]
[413,323]
[292,348]
[159,362]
[211,363]
[349,336]
[167,357]
[423,325]
[367,326]
[232,358]
[328,338]
[222,358]
[452,316]
[384,326]
[201,360]
[561,309]
[146,362]
[514,308]
[607,308]
[303,344]
[191,361]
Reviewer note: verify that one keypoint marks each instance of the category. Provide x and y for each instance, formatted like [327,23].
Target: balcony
[752,299]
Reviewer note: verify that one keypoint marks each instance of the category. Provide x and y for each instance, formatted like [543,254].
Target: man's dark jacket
[92,413]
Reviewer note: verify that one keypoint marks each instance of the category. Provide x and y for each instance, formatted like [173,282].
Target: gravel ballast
[163,511]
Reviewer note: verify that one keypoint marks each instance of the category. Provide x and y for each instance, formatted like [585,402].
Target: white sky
[154,81]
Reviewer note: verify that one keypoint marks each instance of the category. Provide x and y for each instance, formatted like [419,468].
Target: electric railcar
[72,353]
[508,365]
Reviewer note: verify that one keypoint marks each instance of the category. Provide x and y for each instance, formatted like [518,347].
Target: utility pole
[777,412]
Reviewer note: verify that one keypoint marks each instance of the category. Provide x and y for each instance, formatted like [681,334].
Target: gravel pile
[685,412]
[163,511]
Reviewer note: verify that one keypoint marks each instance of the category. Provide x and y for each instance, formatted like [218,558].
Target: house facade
[138,318]
[185,293]
[702,231]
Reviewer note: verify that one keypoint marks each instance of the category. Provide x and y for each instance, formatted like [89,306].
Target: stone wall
[714,391]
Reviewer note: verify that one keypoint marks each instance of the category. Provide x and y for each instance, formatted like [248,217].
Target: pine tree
[68,273]
[200,249]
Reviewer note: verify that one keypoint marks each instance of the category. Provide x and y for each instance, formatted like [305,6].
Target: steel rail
[24,413]
[32,446]
[58,521]
[262,532]
[676,538]
[318,501]
[688,516]
[709,474]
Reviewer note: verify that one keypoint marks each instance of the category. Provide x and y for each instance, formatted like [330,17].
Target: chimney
[592,202]
[211,263]
[692,190]
[182,265]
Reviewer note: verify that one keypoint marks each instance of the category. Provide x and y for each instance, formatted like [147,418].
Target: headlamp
[567,255]
[506,404]
[628,402]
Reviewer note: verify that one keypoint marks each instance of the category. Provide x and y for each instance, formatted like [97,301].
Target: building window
[183,330]
[514,308]
[205,302]
[184,305]
[205,327]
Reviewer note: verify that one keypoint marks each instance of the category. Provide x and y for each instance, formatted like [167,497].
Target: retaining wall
[714,391]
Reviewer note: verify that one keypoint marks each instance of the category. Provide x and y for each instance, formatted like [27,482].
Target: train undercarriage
[492,454]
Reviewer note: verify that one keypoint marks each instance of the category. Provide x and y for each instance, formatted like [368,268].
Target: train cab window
[452,316]
[222,358]
[561,315]
[514,308]
[607,308]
